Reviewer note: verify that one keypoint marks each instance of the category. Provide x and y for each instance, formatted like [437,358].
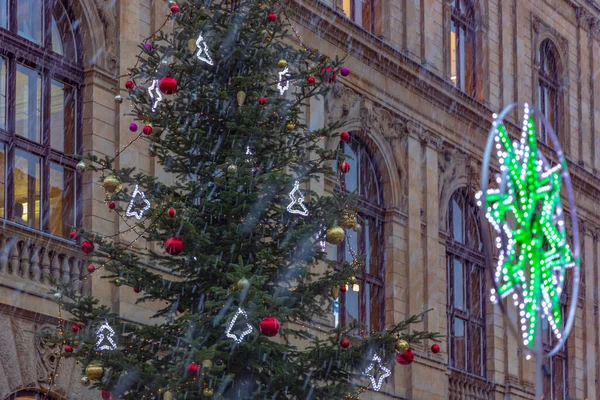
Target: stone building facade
[426,77]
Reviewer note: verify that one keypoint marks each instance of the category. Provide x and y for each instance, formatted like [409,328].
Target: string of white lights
[240,338]
[154,93]
[203,54]
[137,214]
[377,382]
[101,336]
[300,201]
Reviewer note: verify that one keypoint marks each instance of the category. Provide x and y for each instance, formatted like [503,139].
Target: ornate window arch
[465,286]
[549,95]
[41,76]
[365,303]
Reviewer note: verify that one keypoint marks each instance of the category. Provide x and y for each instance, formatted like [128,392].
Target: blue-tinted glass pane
[351,306]
[459,287]
[29,17]
[3,14]
[459,344]
[457,222]
[2,93]
[29,103]
[2,180]
[351,178]
[57,45]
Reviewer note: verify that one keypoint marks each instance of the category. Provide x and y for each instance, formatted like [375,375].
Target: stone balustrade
[467,387]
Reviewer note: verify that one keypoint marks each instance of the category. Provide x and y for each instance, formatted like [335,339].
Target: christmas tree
[238,230]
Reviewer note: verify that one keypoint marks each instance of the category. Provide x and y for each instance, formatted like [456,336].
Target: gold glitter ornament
[401,346]
[94,372]
[282,64]
[335,235]
[112,184]
[208,392]
[335,292]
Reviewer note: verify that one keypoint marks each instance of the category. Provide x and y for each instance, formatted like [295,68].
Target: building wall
[428,141]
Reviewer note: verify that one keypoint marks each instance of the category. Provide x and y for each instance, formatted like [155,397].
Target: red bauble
[129,85]
[106,395]
[76,328]
[87,247]
[174,245]
[68,349]
[193,369]
[435,348]
[269,326]
[272,17]
[91,268]
[329,74]
[172,212]
[175,9]
[262,101]
[311,80]
[137,289]
[147,130]
[168,85]
[344,136]
[180,309]
[344,167]
[74,235]
[343,288]
[405,358]
[345,343]
[111,205]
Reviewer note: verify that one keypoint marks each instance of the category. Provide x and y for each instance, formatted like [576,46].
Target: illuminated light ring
[569,318]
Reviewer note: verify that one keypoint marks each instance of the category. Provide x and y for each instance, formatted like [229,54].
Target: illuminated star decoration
[154,94]
[527,214]
[137,214]
[300,201]
[238,339]
[283,83]
[203,54]
[385,372]
[105,332]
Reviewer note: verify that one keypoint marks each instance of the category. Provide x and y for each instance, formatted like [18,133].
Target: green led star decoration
[527,214]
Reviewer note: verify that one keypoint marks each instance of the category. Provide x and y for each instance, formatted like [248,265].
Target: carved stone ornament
[344,103]
[47,354]
[452,169]
[107,12]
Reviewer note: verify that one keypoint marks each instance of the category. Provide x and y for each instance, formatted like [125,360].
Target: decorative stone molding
[47,354]
[453,174]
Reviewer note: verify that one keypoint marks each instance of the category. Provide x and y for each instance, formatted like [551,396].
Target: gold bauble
[335,235]
[94,372]
[243,284]
[208,392]
[348,221]
[357,227]
[112,184]
[81,167]
[241,98]
[232,169]
[335,292]
[168,395]
[402,346]
[191,45]
[291,126]
[207,364]
[85,381]
[282,64]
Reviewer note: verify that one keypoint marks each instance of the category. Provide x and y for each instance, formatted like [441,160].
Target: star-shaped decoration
[154,93]
[105,332]
[283,83]
[137,214]
[203,54]
[238,339]
[372,372]
[300,201]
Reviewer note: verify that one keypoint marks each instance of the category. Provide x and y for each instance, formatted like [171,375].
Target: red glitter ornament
[345,343]
[74,235]
[272,17]
[175,9]
[180,309]
[129,85]
[343,288]
[173,245]
[269,326]
[68,349]
[405,358]
[262,101]
[344,167]
[111,205]
[87,247]
[137,289]
[435,348]
[328,75]
[147,130]
[106,395]
[91,268]
[76,328]
[193,369]
[172,212]
[168,85]
[311,80]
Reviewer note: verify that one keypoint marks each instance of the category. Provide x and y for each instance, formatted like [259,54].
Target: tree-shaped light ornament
[299,201]
[105,338]
[238,338]
[527,215]
[203,53]
[283,80]
[138,214]
[154,93]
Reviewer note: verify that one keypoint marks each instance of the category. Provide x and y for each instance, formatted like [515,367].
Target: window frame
[561,356]
[470,259]
[51,66]
[375,11]
[463,20]
[550,81]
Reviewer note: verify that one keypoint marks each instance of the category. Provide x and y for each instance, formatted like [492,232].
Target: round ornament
[401,346]
[168,395]
[94,372]
[76,328]
[435,348]
[91,268]
[137,289]
[173,245]
[311,80]
[180,309]
[269,326]
[232,169]
[133,127]
[345,71]
[272,17]
[335,292]
[193,369]
[335,235]
[118,99]
[348,221]
[345,343]
[147,130]
[191,45]
[129,85]
[148,46]
[81,167]
[344,136]
[343,288]
[171,212]
[344,167]
[167,85]
[85,381]
[291,126]
[74,235]
[357,227]
[58,295]
[241,98]
[111,205]
[87,247]
[208,392]
[282,64]
[243,284]
[68,349]
[112,184]
[118,282]
[207,364]
[175,9]
[106,395]
[405,358]
[329,75]
[262,101]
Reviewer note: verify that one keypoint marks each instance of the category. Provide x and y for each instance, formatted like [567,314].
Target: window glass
[29,18]
[57,45]
[457,221]
[62,117]
[62,200]
[477,302]
[453,65]
[351,178]
[28,103]
[459,344]
[2,180]
[63,37]
[27,189]
[459,285]
[3,14]
[476,349]
[2,93]
[351,298]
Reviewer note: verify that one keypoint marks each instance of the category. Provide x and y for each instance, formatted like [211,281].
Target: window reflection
[2,92]
[62,117]
[3,14]
[62,200]
[29,19]
[28,103]
[27,189]
[2,180]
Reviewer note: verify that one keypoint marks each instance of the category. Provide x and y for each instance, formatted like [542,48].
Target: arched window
[556,371]
[548,85]
[462,46]
[29,394]
[466,286]
[366,13]
[363,303]
[40,114]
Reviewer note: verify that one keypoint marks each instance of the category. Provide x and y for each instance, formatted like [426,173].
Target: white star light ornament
[240,338]
[137,214]
[283,83]
[371,372]
[154,93]
[300,201]
[105,341]
[203,54]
